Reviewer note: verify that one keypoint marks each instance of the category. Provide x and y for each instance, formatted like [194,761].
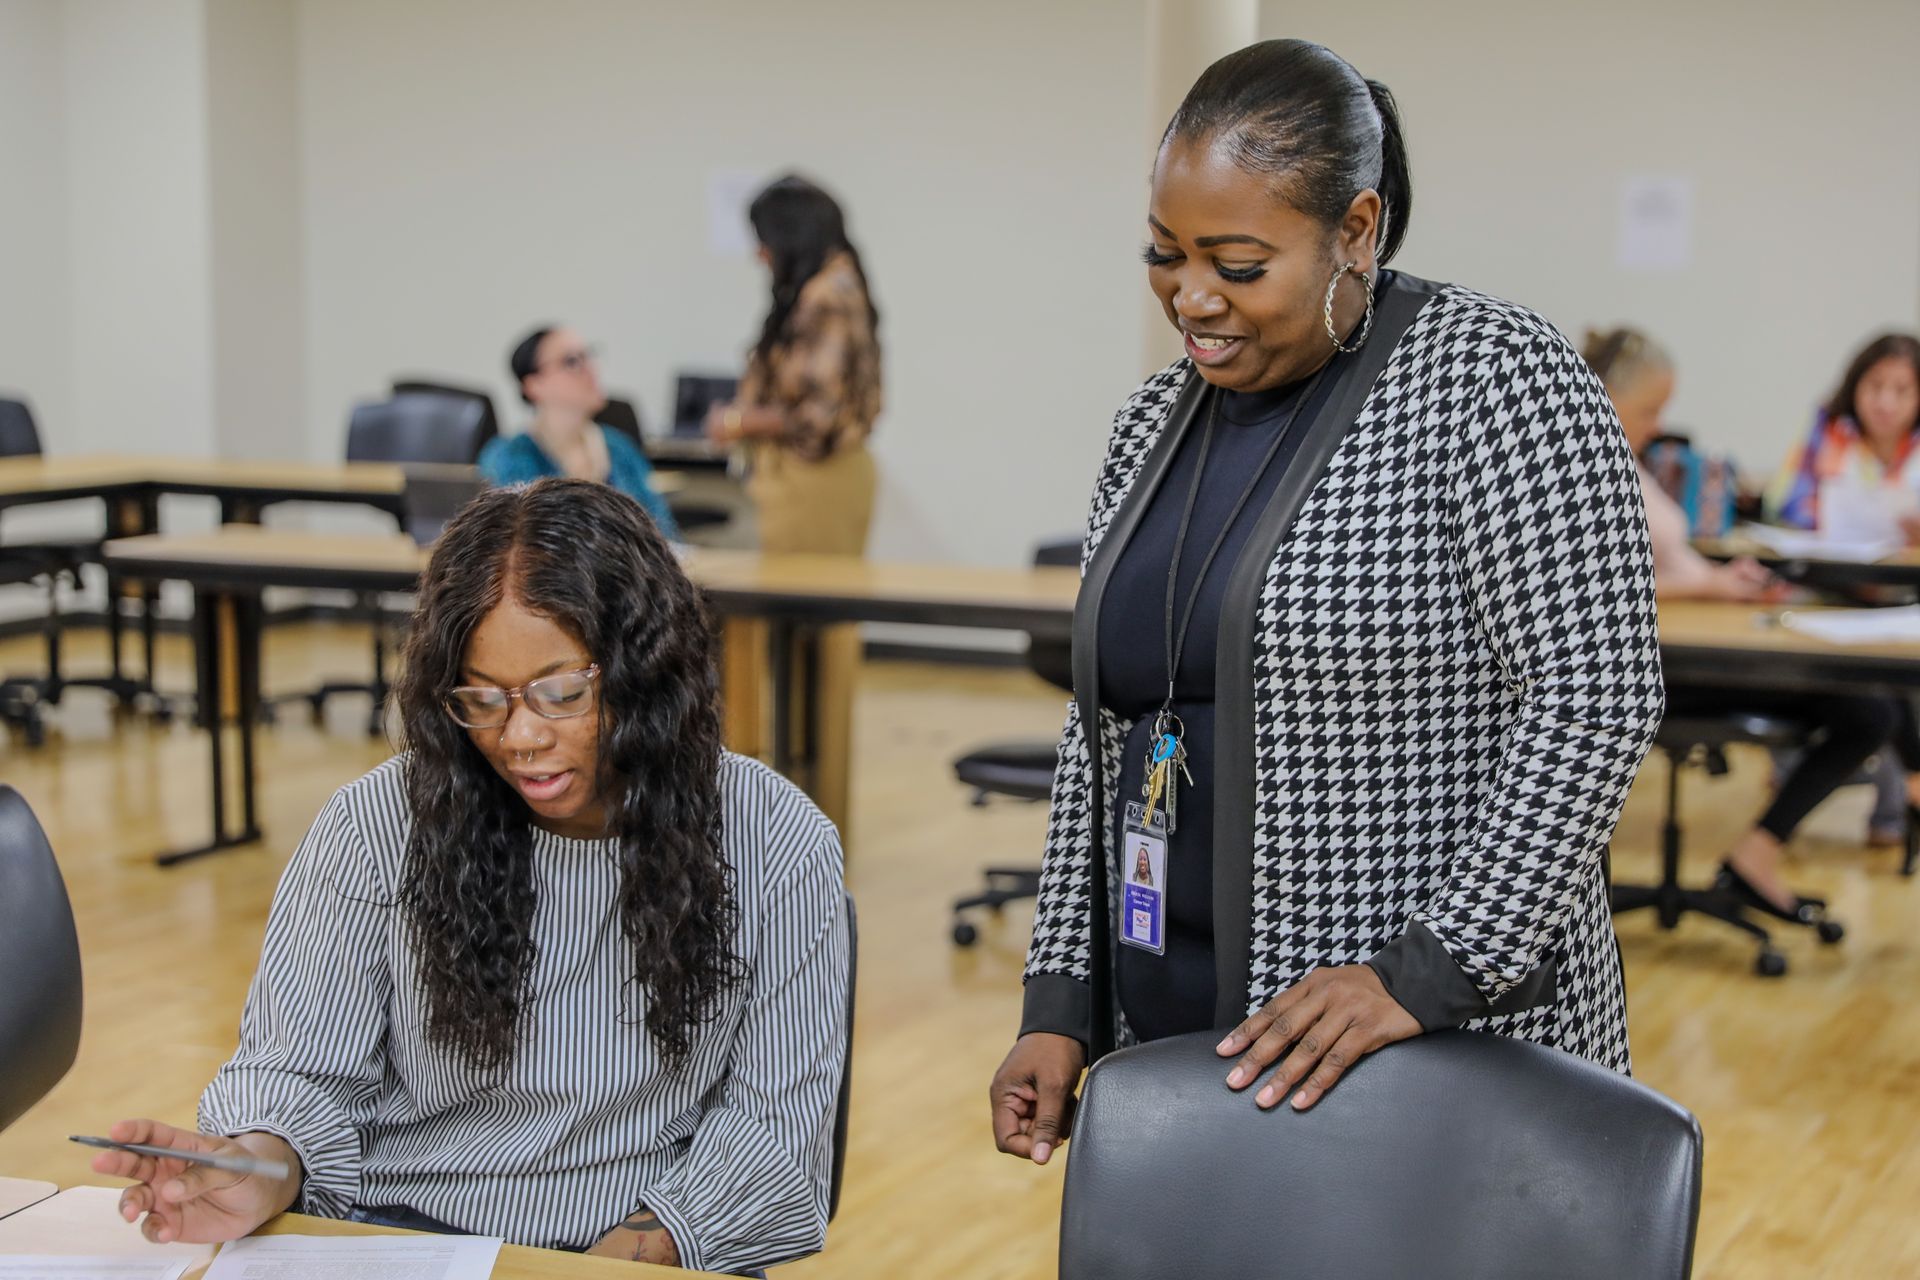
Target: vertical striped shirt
[733,1151]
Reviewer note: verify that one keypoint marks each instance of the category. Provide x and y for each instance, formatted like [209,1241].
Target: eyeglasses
[575,361]
[560,697]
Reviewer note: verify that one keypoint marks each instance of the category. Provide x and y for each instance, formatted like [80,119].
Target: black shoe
[1806,911]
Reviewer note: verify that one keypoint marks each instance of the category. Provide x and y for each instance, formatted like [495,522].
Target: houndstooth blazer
[1439,672]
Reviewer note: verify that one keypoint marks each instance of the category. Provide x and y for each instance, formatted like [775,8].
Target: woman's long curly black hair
[588,558]
[801,226]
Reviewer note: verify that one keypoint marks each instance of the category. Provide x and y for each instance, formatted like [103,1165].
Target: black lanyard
[1176,641]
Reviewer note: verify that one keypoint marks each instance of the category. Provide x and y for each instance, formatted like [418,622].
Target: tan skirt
[816,508]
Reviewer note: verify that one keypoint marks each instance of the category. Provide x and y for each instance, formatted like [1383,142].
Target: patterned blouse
[825,374]
[1835,451]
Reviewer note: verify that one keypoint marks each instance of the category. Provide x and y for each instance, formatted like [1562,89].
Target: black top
[1174,993]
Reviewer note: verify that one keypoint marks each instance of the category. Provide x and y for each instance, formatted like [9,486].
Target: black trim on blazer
[1233,726]
[1086,692]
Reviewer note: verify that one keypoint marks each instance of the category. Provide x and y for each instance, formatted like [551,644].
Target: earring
[1366,325]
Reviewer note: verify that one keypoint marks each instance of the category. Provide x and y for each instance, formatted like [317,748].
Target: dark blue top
[509,460]
[1174,993]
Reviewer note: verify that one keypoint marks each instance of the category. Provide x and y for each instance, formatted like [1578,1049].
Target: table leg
[227,670]
[743,693]
[780,687]
[832,675]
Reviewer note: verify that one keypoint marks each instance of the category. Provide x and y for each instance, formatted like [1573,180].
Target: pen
[230,1164]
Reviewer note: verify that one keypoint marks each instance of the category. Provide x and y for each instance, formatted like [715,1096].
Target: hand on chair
[1332,1018]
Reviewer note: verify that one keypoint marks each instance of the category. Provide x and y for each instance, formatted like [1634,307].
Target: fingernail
[1041,1151]
[1266,1097]
[1237,1077]
[1225,1046]
[1300,1100]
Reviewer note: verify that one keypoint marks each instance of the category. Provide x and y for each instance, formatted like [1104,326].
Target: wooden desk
[1704,643]
[1902,569]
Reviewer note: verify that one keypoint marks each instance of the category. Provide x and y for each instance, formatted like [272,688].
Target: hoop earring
[1366,325]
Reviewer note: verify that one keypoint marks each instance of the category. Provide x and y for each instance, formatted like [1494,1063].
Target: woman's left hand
[1333,1017]
[716,424]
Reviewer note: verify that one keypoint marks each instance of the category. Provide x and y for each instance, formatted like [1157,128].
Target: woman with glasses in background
[565,972]
[555,370]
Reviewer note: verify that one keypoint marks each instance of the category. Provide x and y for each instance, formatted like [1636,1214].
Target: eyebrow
[1212,242]
[548,670]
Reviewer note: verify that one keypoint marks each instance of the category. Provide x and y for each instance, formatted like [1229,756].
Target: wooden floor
[1808,1087]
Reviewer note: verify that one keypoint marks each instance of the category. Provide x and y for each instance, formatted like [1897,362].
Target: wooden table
[131,486]
[1902,569]
[227,569]
[1704,643]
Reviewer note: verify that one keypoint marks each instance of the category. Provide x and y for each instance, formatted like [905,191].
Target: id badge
[1143,892]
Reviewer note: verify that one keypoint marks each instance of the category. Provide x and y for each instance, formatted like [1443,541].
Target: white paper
[1656,223]
[1857,626]
[1800,544]
[729,192]
[356,1258]
[16,1266]
[85,1222]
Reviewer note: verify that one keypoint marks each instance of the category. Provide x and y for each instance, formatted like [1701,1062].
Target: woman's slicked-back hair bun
[1299,113]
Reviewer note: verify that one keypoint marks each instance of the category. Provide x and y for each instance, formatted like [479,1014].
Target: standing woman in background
[1862,442]
[812,387]
[1365,641]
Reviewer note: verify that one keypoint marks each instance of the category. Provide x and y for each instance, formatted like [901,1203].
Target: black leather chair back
[417,427]
[19,438]
[40,956]
[1457,1154]
[435,495]
[622,416]
[489,421]
[1050,659]
[846,1069]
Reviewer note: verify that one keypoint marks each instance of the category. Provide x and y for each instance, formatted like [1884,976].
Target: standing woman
[812,387]
[1366,636]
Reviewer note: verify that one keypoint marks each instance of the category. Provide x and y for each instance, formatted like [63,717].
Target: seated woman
[556,373]
[566,971]
[1639,378]
[1861,445]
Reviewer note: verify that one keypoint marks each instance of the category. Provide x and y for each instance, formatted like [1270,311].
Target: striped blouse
[733,1151]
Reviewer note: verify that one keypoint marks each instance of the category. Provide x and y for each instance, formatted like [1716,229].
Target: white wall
[135,109]
[473,168]
[33,240]
[258,299]
[1796,123]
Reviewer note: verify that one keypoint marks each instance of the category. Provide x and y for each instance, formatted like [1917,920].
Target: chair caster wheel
[35,733]
[964,934]
[1831,931]
[1770,963]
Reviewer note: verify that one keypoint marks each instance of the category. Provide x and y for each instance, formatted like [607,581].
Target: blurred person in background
[556,372]
[812,387]
[1861,448]
[1848,730]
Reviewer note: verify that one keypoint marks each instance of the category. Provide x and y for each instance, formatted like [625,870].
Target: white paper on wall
[1656,223]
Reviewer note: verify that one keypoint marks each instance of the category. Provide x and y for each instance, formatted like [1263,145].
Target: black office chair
[489,421]
[436,431]
[1022,770]
[1686,740]
[1456,1154]
[40,956]
[23,699]
[846,1067]
[621,415]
